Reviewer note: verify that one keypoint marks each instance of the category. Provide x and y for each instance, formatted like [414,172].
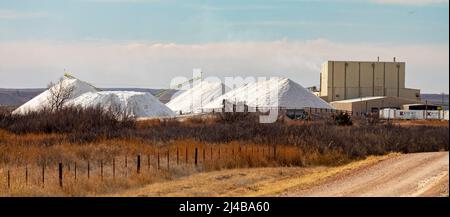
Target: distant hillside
[435,99]
[17,97]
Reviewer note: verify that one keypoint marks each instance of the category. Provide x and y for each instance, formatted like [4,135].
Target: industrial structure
[364,86]
[370,104]
[342,80]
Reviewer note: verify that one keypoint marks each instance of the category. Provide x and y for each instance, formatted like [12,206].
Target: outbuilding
[371,104]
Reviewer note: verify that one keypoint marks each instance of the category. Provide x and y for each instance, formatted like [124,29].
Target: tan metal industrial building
[342,80]
[370,104]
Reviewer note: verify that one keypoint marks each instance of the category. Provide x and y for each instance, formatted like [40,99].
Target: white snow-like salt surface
[271,93]
[42,100]
[136,104]
[192,100]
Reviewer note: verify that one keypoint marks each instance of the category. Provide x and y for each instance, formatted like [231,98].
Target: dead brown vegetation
[76,136]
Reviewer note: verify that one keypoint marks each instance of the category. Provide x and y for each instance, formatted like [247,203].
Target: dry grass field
[99,153]
[113,164]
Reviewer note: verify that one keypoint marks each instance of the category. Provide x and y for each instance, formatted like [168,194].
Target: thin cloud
[153,65]
[235,8]
[13,14]
[411,2]
[123,1]
[290,24]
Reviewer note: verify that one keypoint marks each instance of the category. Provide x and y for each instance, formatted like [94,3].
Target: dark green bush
[343,119]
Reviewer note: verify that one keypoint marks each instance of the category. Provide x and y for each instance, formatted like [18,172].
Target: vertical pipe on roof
[320,85]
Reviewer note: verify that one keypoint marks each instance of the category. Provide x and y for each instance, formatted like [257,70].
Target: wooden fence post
[60,174]
[196,155]
[88,169]
[126,165]
[101,170]
[186,155]
[26,175]
[43,175]
[158,160]
[9,179]
[114,167]
[178,156]
[138,165]
[75,170]
[168,159]
[148,161]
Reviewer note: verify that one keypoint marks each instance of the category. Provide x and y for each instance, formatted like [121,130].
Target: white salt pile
[193,99]
[271,93]
[42,100]
[136,104]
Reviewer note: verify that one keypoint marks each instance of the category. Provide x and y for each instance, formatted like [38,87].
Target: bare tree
[59,94]
[119,112]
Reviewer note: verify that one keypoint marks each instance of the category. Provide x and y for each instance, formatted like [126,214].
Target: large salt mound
[263,94]
[42,100]
[136,104]
[192,100]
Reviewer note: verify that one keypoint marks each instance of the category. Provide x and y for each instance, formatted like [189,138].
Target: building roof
[420,104]
[360,99]
[414,104]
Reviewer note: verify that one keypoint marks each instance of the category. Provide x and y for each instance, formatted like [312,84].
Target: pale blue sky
[146,43]
[197,21]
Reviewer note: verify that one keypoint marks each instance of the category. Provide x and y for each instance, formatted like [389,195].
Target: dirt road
[421,174]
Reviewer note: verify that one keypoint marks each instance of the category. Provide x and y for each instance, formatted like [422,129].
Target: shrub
[66,120]
[357,141]
[343,119]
